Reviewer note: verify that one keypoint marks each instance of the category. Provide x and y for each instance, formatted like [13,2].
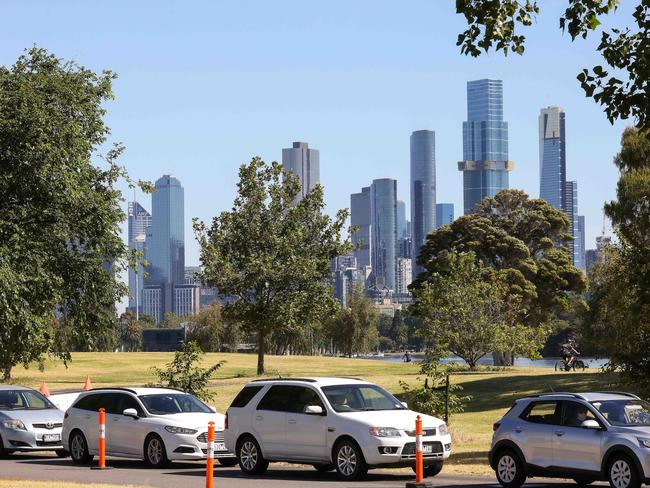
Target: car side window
[124,401]
[276,399]
[245,396]
[301,397]
[574,414]
[542,413]
[87,402]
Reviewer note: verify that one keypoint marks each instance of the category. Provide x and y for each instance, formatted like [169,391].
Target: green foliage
[622,88]
[399,332]
[211,333]
[184,374]
[354,329]
[60,239]
[273,253]
[171,321]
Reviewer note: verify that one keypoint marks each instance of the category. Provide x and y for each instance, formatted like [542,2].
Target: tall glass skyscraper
[401,219]
[444,214]
[552,156]
[166,236]
[304,163]
[139,220]
[383,198]
[485,164]
[423,190]
[360,216]
[570,198]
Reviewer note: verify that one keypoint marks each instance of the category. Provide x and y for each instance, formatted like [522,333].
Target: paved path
[192,475]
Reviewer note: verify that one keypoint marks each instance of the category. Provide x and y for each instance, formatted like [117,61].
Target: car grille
[47,426]
[45,444]
[218,437]
[409,449]
[425,432]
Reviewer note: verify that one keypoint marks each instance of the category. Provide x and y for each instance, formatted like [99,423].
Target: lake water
[487,361]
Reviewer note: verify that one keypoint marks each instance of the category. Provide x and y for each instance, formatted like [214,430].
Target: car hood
[398,419]
[197,421]
[29,417]
[643,432]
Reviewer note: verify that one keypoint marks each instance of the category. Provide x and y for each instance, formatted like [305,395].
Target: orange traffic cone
[88,385]
[43,389]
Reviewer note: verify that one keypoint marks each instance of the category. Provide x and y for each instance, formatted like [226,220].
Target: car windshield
[170,403]
[625,413]
[359,398]
[23,400]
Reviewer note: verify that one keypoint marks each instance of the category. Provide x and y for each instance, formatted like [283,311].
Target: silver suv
[585,437]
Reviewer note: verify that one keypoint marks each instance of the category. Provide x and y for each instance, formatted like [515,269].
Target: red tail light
[225,422]
[495,426]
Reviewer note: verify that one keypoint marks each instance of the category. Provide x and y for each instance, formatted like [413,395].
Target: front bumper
[400,451]
[195,447]
[31,440]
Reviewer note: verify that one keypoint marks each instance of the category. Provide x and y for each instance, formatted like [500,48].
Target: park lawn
[492,392]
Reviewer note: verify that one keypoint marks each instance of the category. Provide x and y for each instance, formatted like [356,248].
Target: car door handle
[559,433]
[292,421]
[331,429]
[518,430]
[259,417]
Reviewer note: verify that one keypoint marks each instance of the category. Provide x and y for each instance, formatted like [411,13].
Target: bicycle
[563,365]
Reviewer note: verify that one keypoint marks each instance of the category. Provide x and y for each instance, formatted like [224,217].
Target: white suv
[332,423]
[586,437]
[154,424]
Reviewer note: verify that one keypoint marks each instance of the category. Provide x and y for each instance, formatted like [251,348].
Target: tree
[399,331]
[468,315]
[184,374]
[171,321]
[61,248]
[354,329]
[211,333]
[622,89]
[272,254]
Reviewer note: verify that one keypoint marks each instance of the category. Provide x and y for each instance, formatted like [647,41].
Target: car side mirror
[314,410]
[590,424]
[404,404]
[131,412]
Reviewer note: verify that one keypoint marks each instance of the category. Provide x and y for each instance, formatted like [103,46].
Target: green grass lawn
[492,392]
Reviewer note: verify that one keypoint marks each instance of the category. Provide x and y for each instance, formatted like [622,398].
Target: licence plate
[427,449]
[51,437]
[219,446]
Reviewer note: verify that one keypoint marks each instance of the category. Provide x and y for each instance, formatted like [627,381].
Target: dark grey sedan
[28,421]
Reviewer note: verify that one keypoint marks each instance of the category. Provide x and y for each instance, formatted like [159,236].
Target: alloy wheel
[154,451]
[346,460]
[620,474]
[507,468]
[248,455]
[78,447]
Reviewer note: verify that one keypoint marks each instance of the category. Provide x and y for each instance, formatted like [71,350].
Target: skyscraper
[401,219]
[304,163]
[383,198]
[485,164]
[444,214]
[360,216]
[570,199]
[552,155]
[580,259]
[423,189]
[139,220]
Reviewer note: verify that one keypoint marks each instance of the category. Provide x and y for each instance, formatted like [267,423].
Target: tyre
[583,481]
[249,456]
[62,453]
[227,462]
[432,470]
[3,452]
[509,469]
[622,473]
[79,448]
[579,365]
[324,468]
[350,463]
[155,454]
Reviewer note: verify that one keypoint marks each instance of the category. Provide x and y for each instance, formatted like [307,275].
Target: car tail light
[225,422]
[495,426]
[65,415]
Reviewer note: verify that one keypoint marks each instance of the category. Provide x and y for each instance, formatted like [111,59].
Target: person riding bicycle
[569,353]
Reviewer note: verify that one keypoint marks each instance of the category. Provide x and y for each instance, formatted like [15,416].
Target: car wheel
[227,462]
[155,454]
[350,463]
[323,468]
[509,469]
[622,473]
[583,481]
[249,456]
[432,470]
[79,448]
[62,453]
[3,452]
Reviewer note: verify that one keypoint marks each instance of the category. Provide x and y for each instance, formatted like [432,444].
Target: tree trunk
[503,358]
[261,348]
[6,373]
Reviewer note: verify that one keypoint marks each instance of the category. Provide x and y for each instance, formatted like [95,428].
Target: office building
[401,219]
[580,244]
[570,201]
[305,164]
[360,217]
[153,298]
[404,275]
[139,219]
[444,214]
[187,300]
[345,281]
[191,275]
[552,156]
[423,189]
[383,198]
[485,164]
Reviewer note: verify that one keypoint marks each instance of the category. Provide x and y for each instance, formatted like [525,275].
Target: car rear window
[245,396]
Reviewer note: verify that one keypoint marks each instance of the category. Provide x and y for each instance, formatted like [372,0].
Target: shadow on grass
[470,457]
[501,391]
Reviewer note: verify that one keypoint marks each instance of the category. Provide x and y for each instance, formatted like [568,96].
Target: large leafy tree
[621,86]
[354,329]
[60,214]
[273,254]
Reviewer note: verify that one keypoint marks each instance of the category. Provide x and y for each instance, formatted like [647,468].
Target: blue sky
[205,85]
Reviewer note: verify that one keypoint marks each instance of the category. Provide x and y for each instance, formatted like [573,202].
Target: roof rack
[349,378]
[622,393]
[109,388]
[559,393]
[308,380]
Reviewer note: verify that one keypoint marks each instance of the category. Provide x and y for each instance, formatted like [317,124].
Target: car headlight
[179,430]
[644,442]
[443,430]
[384,432]
[14,424]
